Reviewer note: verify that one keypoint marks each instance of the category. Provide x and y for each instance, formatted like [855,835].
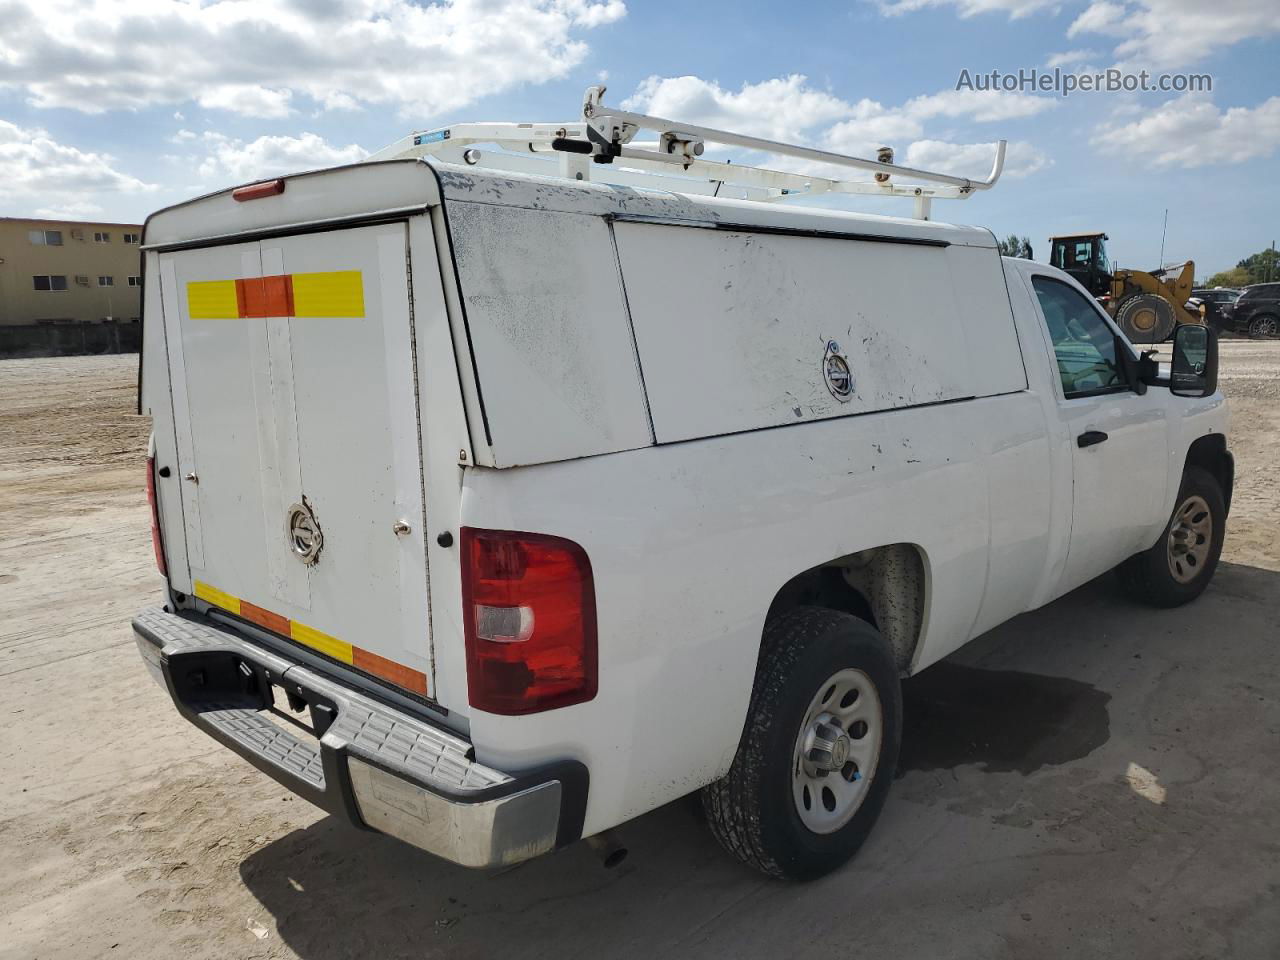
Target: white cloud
[1149,34]
[981,105]
[1068,58]
[233,161]
[787,109]
[248,98]
[1191,131]
[257,58]
[974,159]
[1100,16]
[36,169]
[1167,34]
[75,210]
[968,8]
[783,108]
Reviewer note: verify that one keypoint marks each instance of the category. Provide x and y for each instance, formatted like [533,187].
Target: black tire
[1149,576]
[752,811]
[1265,326]
[1146,318]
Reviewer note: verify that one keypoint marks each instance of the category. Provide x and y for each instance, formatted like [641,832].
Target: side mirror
[1193,371]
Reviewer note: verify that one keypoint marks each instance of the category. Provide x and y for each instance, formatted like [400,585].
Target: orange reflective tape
[407,678]
[265,296]
[397,673]
[264,618]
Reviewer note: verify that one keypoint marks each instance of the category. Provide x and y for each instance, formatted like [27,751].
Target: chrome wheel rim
[1189,537]
[837,751]
[1265,327]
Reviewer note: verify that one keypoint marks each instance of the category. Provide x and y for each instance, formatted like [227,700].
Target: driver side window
[1083,343]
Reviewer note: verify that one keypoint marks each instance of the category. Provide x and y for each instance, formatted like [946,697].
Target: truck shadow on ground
[1003,706]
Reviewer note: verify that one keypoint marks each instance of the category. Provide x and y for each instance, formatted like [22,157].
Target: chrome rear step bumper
[370,763]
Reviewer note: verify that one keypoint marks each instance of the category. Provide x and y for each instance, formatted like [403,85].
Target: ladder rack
[602,147]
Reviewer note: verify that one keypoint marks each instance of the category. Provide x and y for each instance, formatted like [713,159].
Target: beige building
[63,271]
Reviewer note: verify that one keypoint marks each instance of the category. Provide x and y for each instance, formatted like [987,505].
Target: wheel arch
[887,586]
[1210,453]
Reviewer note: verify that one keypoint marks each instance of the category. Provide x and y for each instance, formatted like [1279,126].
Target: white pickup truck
[498,509]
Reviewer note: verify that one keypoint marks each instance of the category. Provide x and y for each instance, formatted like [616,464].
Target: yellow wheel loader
[1146,306]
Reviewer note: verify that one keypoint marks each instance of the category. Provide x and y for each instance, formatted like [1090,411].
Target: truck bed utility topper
[553,482]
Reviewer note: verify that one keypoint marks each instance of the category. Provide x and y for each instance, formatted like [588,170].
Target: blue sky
[110,109]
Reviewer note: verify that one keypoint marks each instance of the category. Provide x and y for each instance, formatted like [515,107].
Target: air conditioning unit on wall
[82,280]
[77,234]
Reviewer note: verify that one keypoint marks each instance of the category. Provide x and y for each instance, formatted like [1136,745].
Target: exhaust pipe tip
[609,848]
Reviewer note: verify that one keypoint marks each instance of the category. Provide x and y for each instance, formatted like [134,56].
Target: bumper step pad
[374,764]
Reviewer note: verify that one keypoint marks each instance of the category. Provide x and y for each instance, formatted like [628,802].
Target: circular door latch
[303,531]
[836,372]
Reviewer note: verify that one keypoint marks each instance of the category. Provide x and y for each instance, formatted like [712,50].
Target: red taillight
[156,542]
[256,191]
[529,607]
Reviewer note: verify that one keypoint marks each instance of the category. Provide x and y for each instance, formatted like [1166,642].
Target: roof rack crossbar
[674,161]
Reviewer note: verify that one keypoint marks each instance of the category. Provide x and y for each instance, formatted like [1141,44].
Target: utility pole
[1163,231]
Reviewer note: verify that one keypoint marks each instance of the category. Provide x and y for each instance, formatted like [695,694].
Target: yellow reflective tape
[212,300]
[219,598]
[313,638]
[337,293]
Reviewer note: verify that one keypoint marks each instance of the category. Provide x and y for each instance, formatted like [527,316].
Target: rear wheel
[1178,567]
[1146,318]
[1264,326]
[819,748]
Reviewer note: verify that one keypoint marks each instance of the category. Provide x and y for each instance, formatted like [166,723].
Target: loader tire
[1146,318]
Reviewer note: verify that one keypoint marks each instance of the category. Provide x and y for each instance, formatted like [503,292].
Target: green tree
[1235,277]
[1015,246]
[1261,267]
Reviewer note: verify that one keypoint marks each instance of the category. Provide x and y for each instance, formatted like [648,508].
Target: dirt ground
[1093,779]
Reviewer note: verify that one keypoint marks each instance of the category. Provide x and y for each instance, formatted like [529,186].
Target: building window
[44,282]
[135,281]
[106,281]
[131,238]
[102,238]
[42,238]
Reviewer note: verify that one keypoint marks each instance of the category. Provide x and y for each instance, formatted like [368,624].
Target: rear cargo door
[298,441]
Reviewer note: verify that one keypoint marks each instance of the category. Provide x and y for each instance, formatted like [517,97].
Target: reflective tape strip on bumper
[374,764]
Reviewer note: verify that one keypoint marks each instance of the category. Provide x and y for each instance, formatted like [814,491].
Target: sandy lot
[1093,779]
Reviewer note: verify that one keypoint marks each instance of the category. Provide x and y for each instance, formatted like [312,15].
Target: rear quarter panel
[689,544]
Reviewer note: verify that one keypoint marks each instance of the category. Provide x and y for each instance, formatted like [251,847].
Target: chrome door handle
[1090,437]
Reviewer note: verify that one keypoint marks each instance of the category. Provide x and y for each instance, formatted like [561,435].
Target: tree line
[1261,267]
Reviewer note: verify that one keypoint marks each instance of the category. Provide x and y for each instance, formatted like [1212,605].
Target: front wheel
[819,748]
[1177,568]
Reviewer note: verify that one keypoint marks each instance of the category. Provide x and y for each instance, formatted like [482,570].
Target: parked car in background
[1217,303]
[1257,311]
